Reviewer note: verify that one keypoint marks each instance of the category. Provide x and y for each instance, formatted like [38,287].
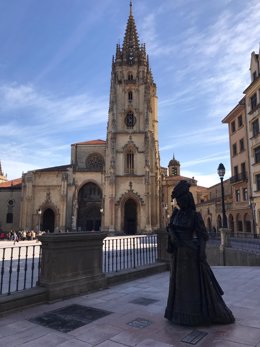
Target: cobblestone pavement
[131,314]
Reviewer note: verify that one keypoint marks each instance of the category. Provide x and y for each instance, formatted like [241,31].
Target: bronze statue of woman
[195,297]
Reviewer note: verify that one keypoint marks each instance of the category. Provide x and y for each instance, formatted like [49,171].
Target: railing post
[134,252]
[10,271]
[162,244]
[224,243]
[18,269]
[2,271]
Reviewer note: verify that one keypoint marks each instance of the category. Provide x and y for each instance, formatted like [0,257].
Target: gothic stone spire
[131,46]
[1,171]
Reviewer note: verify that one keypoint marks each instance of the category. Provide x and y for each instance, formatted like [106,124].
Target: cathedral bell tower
[132,177]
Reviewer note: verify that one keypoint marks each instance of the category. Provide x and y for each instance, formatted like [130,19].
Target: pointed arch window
[130,77]
[9,218]
[130,95]
[129,161]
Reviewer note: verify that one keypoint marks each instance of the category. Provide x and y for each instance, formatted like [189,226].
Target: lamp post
[39,219]
[221,173]
[101,215]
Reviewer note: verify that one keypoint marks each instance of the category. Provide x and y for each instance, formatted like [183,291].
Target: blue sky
[55,66]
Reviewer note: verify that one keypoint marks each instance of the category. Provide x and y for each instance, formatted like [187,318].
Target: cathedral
[111,185]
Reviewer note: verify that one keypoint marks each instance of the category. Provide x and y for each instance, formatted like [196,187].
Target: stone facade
[10,198]
[132,175]
[242,190]
[116,185]
[240,216]
[252,102]
[111,185]
[211,206]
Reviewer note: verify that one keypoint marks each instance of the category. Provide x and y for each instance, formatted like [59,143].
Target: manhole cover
[69,318]
[139,323]
[194,337]
[143,301]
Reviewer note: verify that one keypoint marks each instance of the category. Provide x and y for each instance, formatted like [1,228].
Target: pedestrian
[24,235]
[15,237]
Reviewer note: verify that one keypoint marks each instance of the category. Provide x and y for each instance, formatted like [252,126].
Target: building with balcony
[252,103]
[240,214]
[211,207]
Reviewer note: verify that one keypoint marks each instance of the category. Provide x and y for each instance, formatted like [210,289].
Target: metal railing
[129,252]
[20,268]
[248,242]
[242,176]
[243,235]
[20,265]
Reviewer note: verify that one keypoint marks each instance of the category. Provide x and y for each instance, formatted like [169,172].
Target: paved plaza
[131,314]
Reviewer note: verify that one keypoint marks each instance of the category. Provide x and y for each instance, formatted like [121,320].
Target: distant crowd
[20,235]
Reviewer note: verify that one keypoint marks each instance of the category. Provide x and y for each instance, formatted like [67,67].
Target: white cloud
[35,125]
[201,136]
[203,180]
[202,66]
[14,169]
[68,112]
[215,58]
[211,158]
[92,15]
[226,46]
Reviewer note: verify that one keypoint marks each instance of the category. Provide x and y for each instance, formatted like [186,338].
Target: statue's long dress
[195,297]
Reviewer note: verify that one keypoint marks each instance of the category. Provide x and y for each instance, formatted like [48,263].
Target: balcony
[255,110]
[241,177]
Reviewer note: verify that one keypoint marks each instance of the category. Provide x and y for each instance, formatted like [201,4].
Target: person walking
[15,237]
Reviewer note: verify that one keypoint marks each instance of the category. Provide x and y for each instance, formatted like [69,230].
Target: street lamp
[39,219]
[221,173]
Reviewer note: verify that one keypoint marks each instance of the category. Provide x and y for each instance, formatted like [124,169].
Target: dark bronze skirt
[195,297]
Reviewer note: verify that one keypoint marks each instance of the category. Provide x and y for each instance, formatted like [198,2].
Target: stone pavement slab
[136,318]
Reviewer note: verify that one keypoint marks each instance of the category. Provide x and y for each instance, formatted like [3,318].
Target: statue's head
[183,196]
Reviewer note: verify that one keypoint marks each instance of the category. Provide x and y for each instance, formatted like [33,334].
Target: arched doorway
[239,223]
[89,205]
[231,223]
[48,220]
[130,220]
[248,224]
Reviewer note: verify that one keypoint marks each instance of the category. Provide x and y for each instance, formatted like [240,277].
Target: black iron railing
[248,242]
[129,252]
[20,268]
[244,235]
[20,265]
[243,176]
